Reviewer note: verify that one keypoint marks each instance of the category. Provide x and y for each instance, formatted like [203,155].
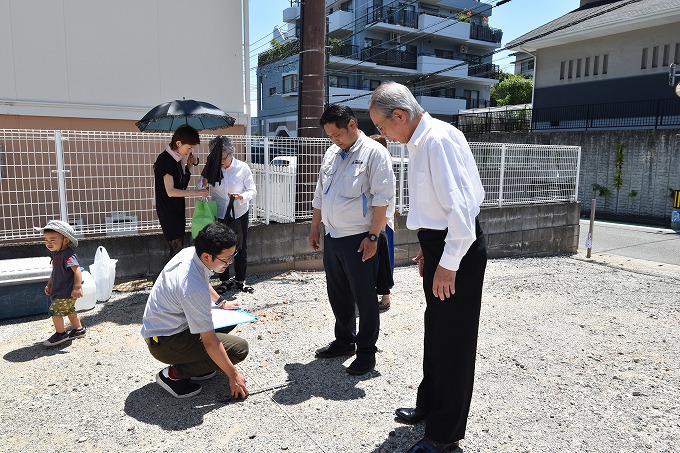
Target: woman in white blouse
[234,180]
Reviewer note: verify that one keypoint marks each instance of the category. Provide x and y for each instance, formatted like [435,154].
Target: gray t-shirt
[63,276]
[180,298]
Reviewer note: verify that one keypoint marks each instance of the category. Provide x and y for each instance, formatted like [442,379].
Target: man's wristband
[220,300]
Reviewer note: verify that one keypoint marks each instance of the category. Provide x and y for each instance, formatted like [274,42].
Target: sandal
[241,286]
[223,287]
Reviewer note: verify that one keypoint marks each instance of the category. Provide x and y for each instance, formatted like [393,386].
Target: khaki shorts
[63,307]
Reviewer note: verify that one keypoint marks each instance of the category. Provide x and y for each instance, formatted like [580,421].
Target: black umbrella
[169,116]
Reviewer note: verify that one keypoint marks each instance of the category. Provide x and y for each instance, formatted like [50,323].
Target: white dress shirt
[445,190]
[348,188]
[238,178]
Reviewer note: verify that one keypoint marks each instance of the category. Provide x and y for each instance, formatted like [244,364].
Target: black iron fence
[650,114]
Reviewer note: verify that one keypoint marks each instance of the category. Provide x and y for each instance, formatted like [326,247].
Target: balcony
[428,64]
[486,34]
[346,95]
[389,57]
[340,23]
[396,17]
[440,105]
[484,71]
[291,14]
[444,27]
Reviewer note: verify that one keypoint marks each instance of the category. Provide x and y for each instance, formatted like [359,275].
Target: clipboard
[224,318]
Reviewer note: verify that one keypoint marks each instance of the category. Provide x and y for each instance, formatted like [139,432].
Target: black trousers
[241,258]
[450,344]
[350,281]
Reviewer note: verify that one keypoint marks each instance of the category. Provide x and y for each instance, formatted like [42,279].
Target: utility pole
[311,94]
[312,67]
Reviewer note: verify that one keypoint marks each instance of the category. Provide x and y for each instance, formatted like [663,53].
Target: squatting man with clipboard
[178,317]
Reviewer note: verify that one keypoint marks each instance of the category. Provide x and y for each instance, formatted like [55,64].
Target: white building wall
[624,50]
[84,58]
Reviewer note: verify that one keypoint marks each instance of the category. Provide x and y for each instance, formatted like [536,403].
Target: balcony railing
[650,114]
[392,16]
[488,34]
[484,70]
[389,57]
[377,55]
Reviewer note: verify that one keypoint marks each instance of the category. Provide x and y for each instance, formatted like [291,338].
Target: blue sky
[514,18]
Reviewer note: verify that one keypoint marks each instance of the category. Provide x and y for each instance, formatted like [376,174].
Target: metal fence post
[501,177]
[61,175]
[267,175]
[402,165]
[578,174]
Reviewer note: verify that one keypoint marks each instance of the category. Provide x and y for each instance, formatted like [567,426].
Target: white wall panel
[119,55]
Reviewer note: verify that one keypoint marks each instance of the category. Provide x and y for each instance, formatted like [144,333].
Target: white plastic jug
[89,299]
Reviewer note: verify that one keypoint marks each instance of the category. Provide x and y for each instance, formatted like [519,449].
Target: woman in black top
[171,181]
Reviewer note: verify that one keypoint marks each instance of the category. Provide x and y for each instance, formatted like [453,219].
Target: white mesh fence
[102,182]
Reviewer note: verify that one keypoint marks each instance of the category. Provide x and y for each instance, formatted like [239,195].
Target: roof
[598,19]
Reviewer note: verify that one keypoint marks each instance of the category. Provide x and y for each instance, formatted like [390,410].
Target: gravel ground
[574,355]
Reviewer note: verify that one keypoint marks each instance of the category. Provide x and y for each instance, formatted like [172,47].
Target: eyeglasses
[380,127]
[229,258]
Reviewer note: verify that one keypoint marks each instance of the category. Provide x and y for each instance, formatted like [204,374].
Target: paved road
[645,243]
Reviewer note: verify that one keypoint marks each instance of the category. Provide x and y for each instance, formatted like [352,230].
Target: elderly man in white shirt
[445,194]
[355,186]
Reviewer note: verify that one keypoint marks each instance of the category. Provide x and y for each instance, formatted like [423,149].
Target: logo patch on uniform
[357,162]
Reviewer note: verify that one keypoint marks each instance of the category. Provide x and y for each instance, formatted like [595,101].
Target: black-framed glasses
[380,127]
[230,258]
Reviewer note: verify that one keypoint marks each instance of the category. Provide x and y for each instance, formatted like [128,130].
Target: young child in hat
[66,281]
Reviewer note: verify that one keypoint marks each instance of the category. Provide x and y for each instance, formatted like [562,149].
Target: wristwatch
[372,237]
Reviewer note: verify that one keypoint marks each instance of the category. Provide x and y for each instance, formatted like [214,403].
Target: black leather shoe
[410,415]
[361,365]
[426,445]
[336,349]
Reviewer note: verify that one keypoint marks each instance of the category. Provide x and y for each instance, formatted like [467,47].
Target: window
[571,69]
[372,42]
[666,54]
[578,68]
[443,92]
[676,60]
[441,53]
[655,57]
[596,65]
[272,91]
[372,84]
[562,71]
[290,83]
[338,81]
[605,63]
[643,64]
[586,70]
[346,6]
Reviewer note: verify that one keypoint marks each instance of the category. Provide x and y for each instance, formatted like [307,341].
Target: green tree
[512,89]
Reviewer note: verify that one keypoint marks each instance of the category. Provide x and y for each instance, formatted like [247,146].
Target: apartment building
[442,49]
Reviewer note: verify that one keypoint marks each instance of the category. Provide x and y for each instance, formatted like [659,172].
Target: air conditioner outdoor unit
[463,48]
[395,37]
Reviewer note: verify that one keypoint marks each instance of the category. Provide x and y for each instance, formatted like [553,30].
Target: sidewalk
[574,355]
